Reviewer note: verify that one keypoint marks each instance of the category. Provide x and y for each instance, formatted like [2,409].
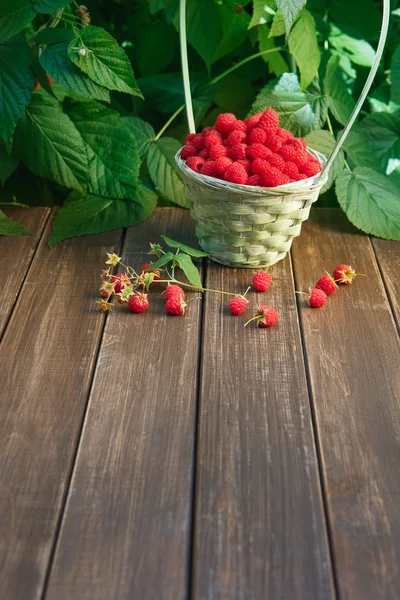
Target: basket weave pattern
[246,226]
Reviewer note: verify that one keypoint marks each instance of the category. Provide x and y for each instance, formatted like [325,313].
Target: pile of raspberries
[253,152]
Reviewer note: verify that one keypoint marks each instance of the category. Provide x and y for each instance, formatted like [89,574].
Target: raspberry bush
[91,105]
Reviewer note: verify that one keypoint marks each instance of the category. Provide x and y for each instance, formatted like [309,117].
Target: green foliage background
[101,141]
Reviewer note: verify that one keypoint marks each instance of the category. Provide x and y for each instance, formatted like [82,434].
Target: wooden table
[146,457]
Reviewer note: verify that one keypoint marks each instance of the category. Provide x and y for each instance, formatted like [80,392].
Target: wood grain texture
[353,352]
[126,532]
[259,524]
[16,256]
[388,256]
[47,357]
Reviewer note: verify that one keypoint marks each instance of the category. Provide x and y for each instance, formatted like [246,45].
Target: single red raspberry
[311,168]
[276,161]
[290,153]
[254,180]
[257,151]
[246,164]
[269,121]
[316,298]
[253,121]
[257,136]
[188,151]
[236,137]
[121,282]
[298,143]
[214,137]
[209,169]
[261,281]
[203,153]
[217,151]
[189,137]
[273,178]
[344,274]
[175,305]
[327,284]
[239,126]
[224,123]
[172,291]
[259,166]
[236,173]
[205,131]
[195,163]
[221,165]
[274,142]
[238,152]
[198,141]
[238,305]
[138,302]
[266,316]
[291,169]
[284,134]
[156,272]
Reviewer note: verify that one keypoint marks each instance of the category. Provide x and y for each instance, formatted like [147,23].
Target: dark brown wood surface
[388,256]
[126,531]
[47,358]
[353,354]
[259,525]
[16,255]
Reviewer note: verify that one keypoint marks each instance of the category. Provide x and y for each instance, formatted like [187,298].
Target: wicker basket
[248,226]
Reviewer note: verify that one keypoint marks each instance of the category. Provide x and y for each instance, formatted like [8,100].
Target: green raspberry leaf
[48,6]
[303,45]
[340,101]
[324,142]
[184,248]
[148,279]
[98,55]
[204,28]
[358,51]
[381,133]
[9,227]
[370,201]
[163,170]
[8,164]
[278,25]
[189,268]
[395,77]
[290,9]
[358,151]
[143,132]
[14,17]
[263,11]
[161,262]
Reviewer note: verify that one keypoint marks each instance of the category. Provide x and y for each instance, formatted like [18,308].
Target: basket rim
[305,185]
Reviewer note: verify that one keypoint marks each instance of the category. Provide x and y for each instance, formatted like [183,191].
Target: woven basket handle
[356,110]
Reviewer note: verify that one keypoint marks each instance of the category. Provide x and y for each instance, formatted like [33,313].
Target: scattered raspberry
[261,281]
[238,152]
[156,272]
[290,153]
[224,123]
[238,305]
[344,274]
[257,136]
[175,305]
[327,284]
[173,290]
[317,298]
[217,151]
[209,169]
[291,169]
[273,177]
[246,164]
[204,153]
[274,142]
[213,137]
[257,151]
[188,151]
[254,180]
[121,282]
[253,121]
[221,165]
[269,121]
[195,163]
[265,317]
[239,126]
[138,302]
[276,161]
[284,134]
[236,173]
[197,141]
[236,137]
[189,138]
[260,166]
[311,168]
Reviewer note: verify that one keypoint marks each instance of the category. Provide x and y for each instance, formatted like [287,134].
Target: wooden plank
[259,525]
[353,355]
[47,358]
[126,531]
[388,257]
[16,256]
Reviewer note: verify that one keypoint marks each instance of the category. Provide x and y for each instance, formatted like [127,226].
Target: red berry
[299,177]
[291,169]
[316,298]
[204,153]
[236,173]
[217,151]
[195,163]
[173,290]
[239,126]
[205,131]
[236,137]
[257,136]
[156,272]
[209,169]
[267,316]
[273,177]
[254,180]
[290,153]
[269,121]
[221,165]
[224,123]
[311,168]
[121,282]
[276,161]
[298,143]
[188,151]
[257,151]
[284,134]
[189,137]
[253,121]
[344,274]
[175,305]
[238,305]
[286,179]
[274,142]
[261,281]
[138,302]
[327,284]
[197,141]
[246,164]
[213,137]
[238,152]
[259,166]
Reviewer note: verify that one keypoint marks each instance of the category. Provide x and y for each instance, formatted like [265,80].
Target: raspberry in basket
[238,152]
[246,164]
[195,163]
[284,134]
[257,151]
[211,138]
[221,165]
[252,121]
[257,136]
[311,168]
[236,173]
[197,141]
[274,142]
[254,180]
[209,169]
[290,153]
[273,177]
[224,123]
[276,161]
[240,126]
[236,137]
[269,121]
[217,151]
[291,169]
[259,166]
[188,151]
